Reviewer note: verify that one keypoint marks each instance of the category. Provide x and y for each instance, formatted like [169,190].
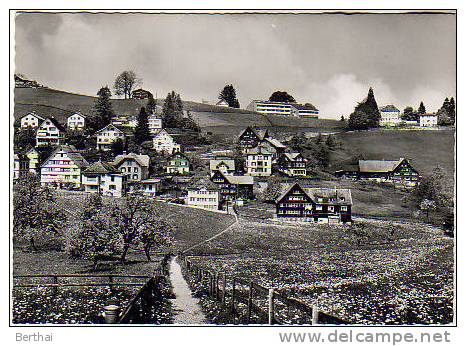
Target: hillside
[219,120]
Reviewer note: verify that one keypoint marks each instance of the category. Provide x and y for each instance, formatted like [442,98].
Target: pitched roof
[142,160]
[275,142]
[101,168]
[214,163]
[78,113]
[203,183]
[239,179]
[222,102]
[292,156]
[341,196]
[261,134]
[34,114]
[72,153]
[110,126]
[389,108]
[54,122]
[373,166]
[259,150]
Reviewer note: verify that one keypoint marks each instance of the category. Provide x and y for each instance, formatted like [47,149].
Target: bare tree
[125,83]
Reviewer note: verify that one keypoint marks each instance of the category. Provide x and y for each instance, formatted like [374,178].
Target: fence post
[315,315]
[217,288]
[110,282]
[224,288]
[55,282]
[233,287]
[271,305]
[249,303]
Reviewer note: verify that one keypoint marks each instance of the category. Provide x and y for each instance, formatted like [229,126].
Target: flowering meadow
[386,272]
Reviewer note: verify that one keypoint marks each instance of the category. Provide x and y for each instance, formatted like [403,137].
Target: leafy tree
[125,83]
[228,94]
[421,109]
[432,188]
[117,147]
[155,234]
[273,190]
[151,106]
[142,131]
[103,110]
[24,138]
[281,96]
[409,114]
[358,121]
[34,211]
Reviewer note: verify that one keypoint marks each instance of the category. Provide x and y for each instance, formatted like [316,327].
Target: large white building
[164,142]
[49,132]
[31,120]
[104,178]
[76,121]
[259,162]
[134,166]
[428,120]
[284,109]
[155,123]
[108,135]
[63,167]
[389,116]
[204,194]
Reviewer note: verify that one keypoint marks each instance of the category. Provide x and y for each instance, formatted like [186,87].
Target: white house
[63,167]
[149,187]
[155,123]
[259,162]
[177,164]
[204,194]
[226,166]
[49,132]
[134,166]
[164,142]
[31,120]
[76,121]
[428,120]
[222,103]
[33,156]
[104,178]
[108,135]
[20,166]
[389,116]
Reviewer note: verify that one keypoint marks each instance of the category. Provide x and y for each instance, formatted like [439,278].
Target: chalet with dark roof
[251,137]
[50,132]
[141,94]
[234,187]
[292,164]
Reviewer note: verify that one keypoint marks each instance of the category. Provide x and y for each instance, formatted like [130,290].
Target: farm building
[389,116]
[292,164]
[400,172]
[222,103]
[49,132]
[322,205]
[104,178]
[134,166]
[234,187]
[204,194]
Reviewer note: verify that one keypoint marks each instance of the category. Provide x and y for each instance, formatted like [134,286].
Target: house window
[135,176]
[112,178]
[331,208]
[344,208]
[112,187]
[318,207]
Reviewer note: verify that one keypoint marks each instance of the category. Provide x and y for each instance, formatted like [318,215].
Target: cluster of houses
[390,116]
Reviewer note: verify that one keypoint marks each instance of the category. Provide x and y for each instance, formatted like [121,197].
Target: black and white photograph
[233,168]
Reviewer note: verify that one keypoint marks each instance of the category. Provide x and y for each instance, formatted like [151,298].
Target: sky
[329,60]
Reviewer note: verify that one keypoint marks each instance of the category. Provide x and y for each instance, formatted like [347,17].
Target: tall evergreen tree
[366,114]
[422,108]
[172,110]
[151,106]
[452,110]
[141,131]
[103,110]
[228,94]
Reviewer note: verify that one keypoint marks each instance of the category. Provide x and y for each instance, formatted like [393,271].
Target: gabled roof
[110,127]
[33,114]
[142,160]
[101,168]
[178,155]
[222,102]
[341,196]
[215,163]
[78,113]
[293,156]
[389,108]
[260,134]
[203,183]
[275,143]
[72,153]
[54,122]
[378,166]
[259,150]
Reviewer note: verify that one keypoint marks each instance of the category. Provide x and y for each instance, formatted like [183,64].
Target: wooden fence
[247,302]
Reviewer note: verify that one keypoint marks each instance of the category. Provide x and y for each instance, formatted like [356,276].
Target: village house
[321,205]
[155,123]
[204,194]
[31,120]
[292,164]
[164,142]
[63,168]
[76,121]
[108,135]
[149,187]
[49,132]
[34,158]
[222,103]
[428,120]
[274,146]
[134,166]
[250,137]
[259,162]
[226,166]
[389,116]
[177,164]
[20,166]
[141,94]
[399,172]
[104,178]
[234,187]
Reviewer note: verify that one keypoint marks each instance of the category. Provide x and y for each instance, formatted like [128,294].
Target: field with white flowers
[384,272]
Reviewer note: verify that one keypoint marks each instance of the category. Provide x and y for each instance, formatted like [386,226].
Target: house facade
[141,94]
[108,135]
[399,172]
[49,132]
[292,164]
[135,167]
[226,166]
[76,121]
[177,164]
[307,111]
[149,187]
[250,137]
[104,178]
[273,146]
[234,187]
[20,166]
[204,194]
[63,167]
[428,120]
[389,116]
[287,109]
[34,158]
[259,162]
[31,120]
[320,205]
[155,123]
[164,142]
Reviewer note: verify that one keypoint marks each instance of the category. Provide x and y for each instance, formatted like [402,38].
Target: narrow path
[186,308]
